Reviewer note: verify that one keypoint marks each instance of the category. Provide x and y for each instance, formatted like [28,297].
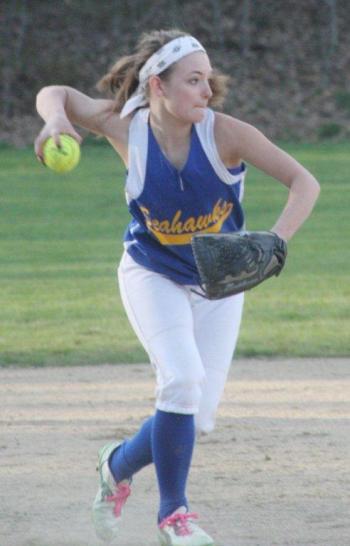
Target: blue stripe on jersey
[175,204]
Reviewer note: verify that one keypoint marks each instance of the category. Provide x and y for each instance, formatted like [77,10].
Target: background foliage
[289,61]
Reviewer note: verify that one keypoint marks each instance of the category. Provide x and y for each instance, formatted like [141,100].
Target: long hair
[123,77]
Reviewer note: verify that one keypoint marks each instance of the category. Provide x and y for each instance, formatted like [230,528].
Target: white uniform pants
[190,340]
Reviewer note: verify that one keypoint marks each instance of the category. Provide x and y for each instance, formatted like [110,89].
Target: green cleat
[111,497]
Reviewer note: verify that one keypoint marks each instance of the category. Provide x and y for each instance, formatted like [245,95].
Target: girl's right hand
[54,128]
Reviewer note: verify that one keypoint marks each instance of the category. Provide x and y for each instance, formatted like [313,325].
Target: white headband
[158,62]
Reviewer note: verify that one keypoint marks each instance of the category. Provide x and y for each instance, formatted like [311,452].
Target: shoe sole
[164,542]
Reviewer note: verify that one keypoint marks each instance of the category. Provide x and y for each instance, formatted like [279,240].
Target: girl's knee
[204,423]
[182,392]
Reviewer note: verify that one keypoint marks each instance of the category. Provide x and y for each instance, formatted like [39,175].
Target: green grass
[61,238]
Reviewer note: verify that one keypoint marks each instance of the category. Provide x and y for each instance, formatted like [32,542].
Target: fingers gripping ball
[64,158]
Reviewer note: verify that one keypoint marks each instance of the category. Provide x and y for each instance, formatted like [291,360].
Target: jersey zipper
[181,182]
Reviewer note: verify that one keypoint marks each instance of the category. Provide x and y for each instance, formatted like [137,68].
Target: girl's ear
[156,86]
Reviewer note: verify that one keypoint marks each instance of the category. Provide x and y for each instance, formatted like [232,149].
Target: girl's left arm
[252,146]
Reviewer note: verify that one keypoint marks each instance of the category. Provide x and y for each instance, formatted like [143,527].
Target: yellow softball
[64,158]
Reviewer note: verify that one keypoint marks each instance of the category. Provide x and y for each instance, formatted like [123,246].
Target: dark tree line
[289,61]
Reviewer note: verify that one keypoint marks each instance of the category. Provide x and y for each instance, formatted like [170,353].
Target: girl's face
[187,91]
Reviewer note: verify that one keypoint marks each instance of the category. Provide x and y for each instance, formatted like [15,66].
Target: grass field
[61,238]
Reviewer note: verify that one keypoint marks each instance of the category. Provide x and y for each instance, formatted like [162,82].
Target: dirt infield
[275,472]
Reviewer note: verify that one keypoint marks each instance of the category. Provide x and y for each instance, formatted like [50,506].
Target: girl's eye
[194,80]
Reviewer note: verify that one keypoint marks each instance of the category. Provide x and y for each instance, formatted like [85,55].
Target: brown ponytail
[122,79]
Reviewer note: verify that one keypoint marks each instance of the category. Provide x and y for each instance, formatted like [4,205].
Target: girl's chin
[196,115]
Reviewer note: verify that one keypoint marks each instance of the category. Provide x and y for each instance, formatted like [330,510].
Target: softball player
[185,175]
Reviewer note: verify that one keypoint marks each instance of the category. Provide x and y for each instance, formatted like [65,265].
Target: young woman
[185,175]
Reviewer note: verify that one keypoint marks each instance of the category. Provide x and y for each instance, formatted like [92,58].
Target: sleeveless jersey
[168,206]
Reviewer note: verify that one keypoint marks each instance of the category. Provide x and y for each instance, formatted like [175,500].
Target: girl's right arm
[62,106]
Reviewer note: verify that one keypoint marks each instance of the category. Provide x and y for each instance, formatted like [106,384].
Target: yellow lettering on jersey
[176,232]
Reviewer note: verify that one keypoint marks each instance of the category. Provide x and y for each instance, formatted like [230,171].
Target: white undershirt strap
[205,131]
[137,154]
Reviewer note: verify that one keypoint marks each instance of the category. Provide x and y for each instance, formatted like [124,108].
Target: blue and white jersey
[168,206]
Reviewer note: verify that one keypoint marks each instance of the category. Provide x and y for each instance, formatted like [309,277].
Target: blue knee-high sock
[133,454]
[173,437]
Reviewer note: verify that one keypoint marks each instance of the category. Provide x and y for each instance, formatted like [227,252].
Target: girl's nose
[207,92]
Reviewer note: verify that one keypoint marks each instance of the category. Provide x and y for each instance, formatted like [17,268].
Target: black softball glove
[230,263]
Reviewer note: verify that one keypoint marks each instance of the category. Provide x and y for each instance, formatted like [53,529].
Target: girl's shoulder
[238,139]
[228,133]
[227,125]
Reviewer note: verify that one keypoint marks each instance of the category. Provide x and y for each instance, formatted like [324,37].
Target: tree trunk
[217,20]
[329,39]
[15,22]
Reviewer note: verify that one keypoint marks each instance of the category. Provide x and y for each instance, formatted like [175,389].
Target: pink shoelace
[119,498]
[179,522]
